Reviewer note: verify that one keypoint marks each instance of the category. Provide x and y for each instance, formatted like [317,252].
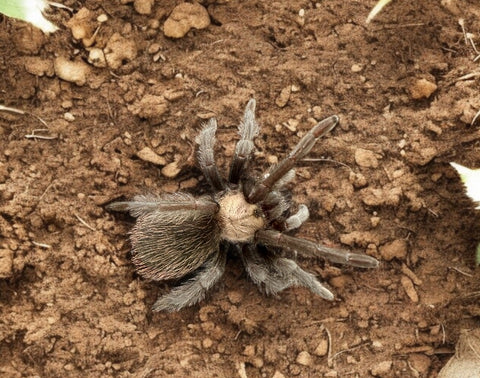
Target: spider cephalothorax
[179,234]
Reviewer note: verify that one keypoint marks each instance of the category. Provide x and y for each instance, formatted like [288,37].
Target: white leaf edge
[471,180]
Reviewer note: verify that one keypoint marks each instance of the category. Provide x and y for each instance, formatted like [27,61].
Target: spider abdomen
[168,245]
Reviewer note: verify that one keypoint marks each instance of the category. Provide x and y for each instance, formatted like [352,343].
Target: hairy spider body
[238,219]
[179,234]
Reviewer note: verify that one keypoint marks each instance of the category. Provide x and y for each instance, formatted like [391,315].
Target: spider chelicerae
[176,235]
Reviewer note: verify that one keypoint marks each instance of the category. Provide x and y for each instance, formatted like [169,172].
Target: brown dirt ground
[71,303]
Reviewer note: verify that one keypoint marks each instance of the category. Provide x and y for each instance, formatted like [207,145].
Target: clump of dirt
[122,104]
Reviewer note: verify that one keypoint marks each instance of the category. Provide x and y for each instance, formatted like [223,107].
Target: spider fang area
[240,219]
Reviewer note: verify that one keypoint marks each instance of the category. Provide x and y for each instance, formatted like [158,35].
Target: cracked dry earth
[123,102]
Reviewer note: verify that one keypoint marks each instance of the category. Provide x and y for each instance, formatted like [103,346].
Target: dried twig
[35,136]
[350,349]
[41,245]
[327,160]
[329,348]
[475,117]
[460,271]
[60,6]
[22,112]
[444,337]
[376,9]
[83,222]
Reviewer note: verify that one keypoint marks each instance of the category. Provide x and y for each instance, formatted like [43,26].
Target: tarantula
[176,235]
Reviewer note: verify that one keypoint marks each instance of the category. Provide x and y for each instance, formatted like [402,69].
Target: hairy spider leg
[310,249]
[195,289]
[206,141]
[296,220]
[279,273]
[261,189]
[248,130]
[142,204]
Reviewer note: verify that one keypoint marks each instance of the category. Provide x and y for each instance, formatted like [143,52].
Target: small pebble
[38,66]
[291,124]
[358,180]
[67,104]
[317,112]
[148,155]
[102,18]
[381,369]
[249,351]
[395,249]
[272,159]
[69,117]
[96,58]
[72,71]
[171,170]
[339,282]
[409,288]
[277,374]
[294,369]
[128,299]
[422,88]
[356,68]
[420,363]
[120,50]
[143,6]
[150,106]
[6,263]
[351,360]
[235,297]
[366,158]
[153,23]
[435,330]
[207,343]
[188,184]
[153,48]
[433,128]
[173,95]
[331,374]
[362,324]
[410,274]
[282,99]
[184,17]
[304,358]
[322,348]
[257,362]
[372,250]
[436,176]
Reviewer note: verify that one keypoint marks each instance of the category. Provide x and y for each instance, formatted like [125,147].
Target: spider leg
[311,249]
[206,141]
[276,204]
[194,290]
[297,219]
[261,189]
[248,130]
[278,273]
[142,204]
